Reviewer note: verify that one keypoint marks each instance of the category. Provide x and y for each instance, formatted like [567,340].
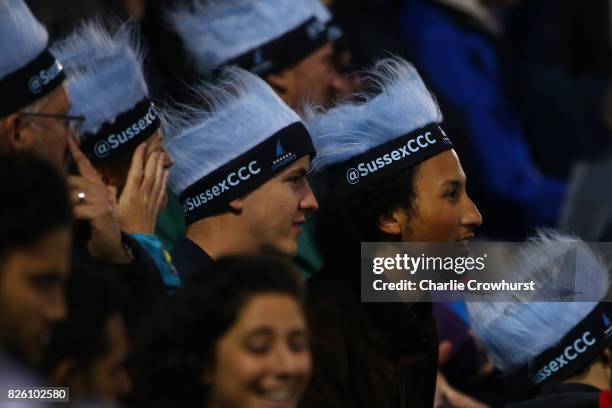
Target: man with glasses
[33,101]
[33,117]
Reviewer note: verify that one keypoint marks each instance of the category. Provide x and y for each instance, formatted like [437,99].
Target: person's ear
[237,204]
[391,223]
[608,355]
[67,373]
[606,359]
[10,132]
[282,83]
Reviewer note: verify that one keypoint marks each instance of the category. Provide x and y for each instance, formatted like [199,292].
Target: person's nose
[309,201]
[55,307]
[74,136]
[291,364]
[472,217]
[168,161]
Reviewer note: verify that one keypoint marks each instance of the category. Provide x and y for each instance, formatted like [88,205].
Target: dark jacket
[368,354]
[189,259]
[559,395]
[141,279]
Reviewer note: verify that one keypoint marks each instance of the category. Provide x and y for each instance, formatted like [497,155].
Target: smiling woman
[385,171]
[243,340]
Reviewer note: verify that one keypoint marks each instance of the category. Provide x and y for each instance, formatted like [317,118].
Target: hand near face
[143,194]
[98,206]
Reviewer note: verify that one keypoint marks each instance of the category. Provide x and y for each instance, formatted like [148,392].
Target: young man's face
[443,210]
[32,294]
[315,79]
[275,211]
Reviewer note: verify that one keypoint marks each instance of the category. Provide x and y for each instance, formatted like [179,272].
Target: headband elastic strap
[577,350]
[30,83]
[245,173]
[403,152]
[121,137]
[284,51]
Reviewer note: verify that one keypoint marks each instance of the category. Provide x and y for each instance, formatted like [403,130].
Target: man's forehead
[302,164]
[58,101]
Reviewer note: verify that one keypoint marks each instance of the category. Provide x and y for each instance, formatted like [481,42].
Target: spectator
[213,34]
[34,254]
[88,351]
[240,170]
[34,100]
[286,42]
[454,45]
[34,119]
[121,134]
[238,341]
[565,344]
[420,197]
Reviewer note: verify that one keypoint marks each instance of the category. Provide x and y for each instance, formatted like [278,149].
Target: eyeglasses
[70,122]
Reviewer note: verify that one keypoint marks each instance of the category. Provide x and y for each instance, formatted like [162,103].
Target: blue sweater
[461,66]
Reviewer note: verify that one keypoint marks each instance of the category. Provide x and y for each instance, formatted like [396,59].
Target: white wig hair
[399,105]
[217,31]
[515,330]
[321,11]
[242,111]
[22,37]
[104,70]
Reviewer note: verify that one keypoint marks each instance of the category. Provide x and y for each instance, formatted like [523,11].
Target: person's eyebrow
[301,172]
[260,331]
[456,183]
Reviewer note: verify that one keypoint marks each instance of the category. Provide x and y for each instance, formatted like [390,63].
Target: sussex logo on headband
[284,51]
[282,157]
[405,151]
[246,172]
[129,129]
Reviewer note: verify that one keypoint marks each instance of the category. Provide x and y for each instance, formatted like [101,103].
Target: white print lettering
[571,352]
[232,180]
[45,76]
[412,146]
[114,140]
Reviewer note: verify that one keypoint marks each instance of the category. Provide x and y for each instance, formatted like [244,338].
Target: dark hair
[92,298]
[178,343]
[344,220]
[34,200]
